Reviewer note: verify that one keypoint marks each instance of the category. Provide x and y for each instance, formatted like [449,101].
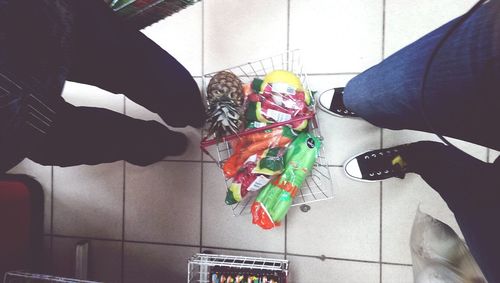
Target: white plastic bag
[439,255]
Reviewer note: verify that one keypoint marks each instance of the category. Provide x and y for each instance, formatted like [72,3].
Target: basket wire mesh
[199,265]
[319,184]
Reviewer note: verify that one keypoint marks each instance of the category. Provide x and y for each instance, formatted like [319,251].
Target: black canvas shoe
[332,102]
[378,165]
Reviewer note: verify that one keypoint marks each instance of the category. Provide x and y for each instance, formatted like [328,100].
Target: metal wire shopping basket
[319,184]
[200,266]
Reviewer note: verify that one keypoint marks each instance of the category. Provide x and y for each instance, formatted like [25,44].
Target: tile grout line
[202,164]
[234,249]
[397,264]
[323,258]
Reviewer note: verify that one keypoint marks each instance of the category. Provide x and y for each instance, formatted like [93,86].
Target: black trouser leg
[86,135]
[471,188]
[109,54]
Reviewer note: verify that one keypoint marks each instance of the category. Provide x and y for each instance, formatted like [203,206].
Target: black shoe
[332,102]
[378,165]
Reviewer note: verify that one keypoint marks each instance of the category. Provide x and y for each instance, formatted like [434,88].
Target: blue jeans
[462,100]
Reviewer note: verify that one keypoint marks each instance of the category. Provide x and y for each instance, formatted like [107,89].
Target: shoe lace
[381,163]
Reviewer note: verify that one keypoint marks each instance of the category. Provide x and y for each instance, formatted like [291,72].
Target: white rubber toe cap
[351,168]
[325,99]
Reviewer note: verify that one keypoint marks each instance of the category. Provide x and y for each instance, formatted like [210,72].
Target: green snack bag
[274,200]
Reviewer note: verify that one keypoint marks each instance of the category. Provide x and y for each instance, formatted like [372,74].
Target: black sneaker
[378,165]
[332,102]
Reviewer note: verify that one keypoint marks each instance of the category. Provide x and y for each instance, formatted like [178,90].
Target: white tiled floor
[162,203]
[307,269]
[397,274]
[144,223]
[105,263]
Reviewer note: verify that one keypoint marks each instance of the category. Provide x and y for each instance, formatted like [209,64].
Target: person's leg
[462,91]
[87,135]
[43,127]
[109,54]
[471,188]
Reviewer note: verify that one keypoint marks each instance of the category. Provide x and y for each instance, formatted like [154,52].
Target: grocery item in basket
[284,77]
[271,162]
[278,101]
[256,143]
[274,200]
[256,172]
[245,181]
[225,99]
[264,110]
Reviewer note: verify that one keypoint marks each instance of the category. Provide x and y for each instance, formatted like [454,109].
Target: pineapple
[225,100]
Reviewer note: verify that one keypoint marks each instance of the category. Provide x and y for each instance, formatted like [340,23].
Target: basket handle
[209,142]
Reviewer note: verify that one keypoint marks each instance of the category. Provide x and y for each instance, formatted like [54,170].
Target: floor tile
[156,263]
[181,36]
[88,95]
[305,269]
[162,203]
[43,174]
[346,137]
[222,229]
[346,227]
[104,259]
[337,36]
[406,21]
[88,201]
[393,138]
[397,274]
[237,32]
[493,155]
[401,198]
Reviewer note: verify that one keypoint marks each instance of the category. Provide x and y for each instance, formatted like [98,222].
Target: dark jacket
[34,61]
